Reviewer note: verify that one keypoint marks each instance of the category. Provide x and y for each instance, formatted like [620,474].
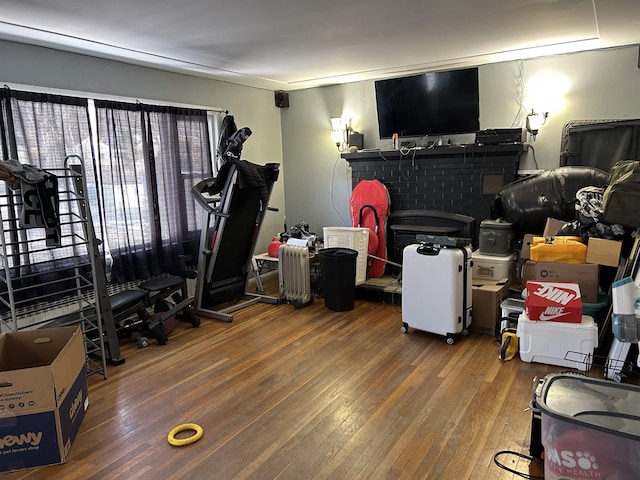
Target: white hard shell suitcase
[436,289]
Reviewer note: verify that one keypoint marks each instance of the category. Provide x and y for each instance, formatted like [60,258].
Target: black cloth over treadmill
[250,175]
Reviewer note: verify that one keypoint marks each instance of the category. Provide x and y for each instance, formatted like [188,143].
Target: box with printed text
[43,395]
[553,301]
[585,274]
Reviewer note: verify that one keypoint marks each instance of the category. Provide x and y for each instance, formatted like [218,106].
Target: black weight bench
[133,303]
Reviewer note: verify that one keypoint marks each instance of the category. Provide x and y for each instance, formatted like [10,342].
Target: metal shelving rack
[37,291]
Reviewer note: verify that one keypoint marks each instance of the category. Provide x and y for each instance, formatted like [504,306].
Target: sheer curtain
[40,130]
[148,159]
[141,162]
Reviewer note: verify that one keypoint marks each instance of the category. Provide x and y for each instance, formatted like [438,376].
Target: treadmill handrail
[199,192]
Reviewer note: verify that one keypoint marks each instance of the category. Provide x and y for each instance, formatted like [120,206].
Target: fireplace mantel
[510,150]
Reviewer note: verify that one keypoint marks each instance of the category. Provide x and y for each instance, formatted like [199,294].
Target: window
[141,161]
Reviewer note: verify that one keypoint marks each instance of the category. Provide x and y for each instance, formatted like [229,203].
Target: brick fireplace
[431,183]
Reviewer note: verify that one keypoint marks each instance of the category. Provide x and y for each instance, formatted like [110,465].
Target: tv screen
[438,103]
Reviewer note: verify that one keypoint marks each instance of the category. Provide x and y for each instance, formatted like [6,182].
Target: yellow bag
[509,347]
[560,249]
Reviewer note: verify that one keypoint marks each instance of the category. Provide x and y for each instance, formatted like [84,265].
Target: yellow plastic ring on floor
[179,442]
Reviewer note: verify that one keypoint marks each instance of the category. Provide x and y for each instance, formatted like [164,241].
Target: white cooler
[558,343]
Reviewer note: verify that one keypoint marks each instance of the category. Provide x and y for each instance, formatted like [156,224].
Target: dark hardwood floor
[285,393]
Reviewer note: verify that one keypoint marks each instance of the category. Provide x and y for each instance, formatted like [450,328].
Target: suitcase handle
[428,250]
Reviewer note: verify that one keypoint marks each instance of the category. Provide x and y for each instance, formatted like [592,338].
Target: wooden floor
[306,394]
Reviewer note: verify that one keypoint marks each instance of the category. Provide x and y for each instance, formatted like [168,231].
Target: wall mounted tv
[437,103]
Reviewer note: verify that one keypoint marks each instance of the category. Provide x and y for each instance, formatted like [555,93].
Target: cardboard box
[524,272]
[552,227]
[585,274]
[553,302]
[487,295]
[603,252]
[526,245]
[43,395]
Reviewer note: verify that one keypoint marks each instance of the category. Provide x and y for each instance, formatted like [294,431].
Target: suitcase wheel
[404,328]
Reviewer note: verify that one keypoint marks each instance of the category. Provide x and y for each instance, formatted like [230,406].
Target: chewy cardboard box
[43,395]
[587,275]
[487,295]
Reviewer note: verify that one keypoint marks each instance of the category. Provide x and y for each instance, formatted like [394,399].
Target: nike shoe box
[558,343]
[553,301]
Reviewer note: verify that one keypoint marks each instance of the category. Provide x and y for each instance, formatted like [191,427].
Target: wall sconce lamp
[535,121]
[339,133]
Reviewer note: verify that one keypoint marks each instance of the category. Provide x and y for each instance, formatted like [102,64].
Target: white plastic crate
[493,267]
[355,238]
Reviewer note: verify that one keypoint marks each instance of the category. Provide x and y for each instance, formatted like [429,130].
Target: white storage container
[355,238]
[558,343]
[511,308]
[493,267]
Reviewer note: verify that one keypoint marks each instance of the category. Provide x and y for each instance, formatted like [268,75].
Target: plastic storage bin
[511,309]
[493,267]
[590,428]
[355,238]
[338,277]
[496,237]
[558,343]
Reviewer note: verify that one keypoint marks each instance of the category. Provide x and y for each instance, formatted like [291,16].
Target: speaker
[356,140]
[282,99]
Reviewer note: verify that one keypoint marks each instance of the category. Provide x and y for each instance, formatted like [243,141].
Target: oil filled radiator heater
[294,275]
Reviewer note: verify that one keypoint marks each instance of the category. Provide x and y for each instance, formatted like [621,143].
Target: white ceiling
[293,44]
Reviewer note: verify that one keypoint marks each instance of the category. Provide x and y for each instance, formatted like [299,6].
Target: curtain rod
[96,96]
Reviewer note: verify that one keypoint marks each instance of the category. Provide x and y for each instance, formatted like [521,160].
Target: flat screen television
[436,103]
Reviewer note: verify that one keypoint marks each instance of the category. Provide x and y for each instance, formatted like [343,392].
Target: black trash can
[338,277]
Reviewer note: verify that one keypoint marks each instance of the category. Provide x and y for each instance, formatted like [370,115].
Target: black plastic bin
[338,277]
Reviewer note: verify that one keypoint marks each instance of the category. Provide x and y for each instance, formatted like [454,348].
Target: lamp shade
[337,136]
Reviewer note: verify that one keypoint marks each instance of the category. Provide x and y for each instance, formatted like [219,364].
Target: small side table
[260,262]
